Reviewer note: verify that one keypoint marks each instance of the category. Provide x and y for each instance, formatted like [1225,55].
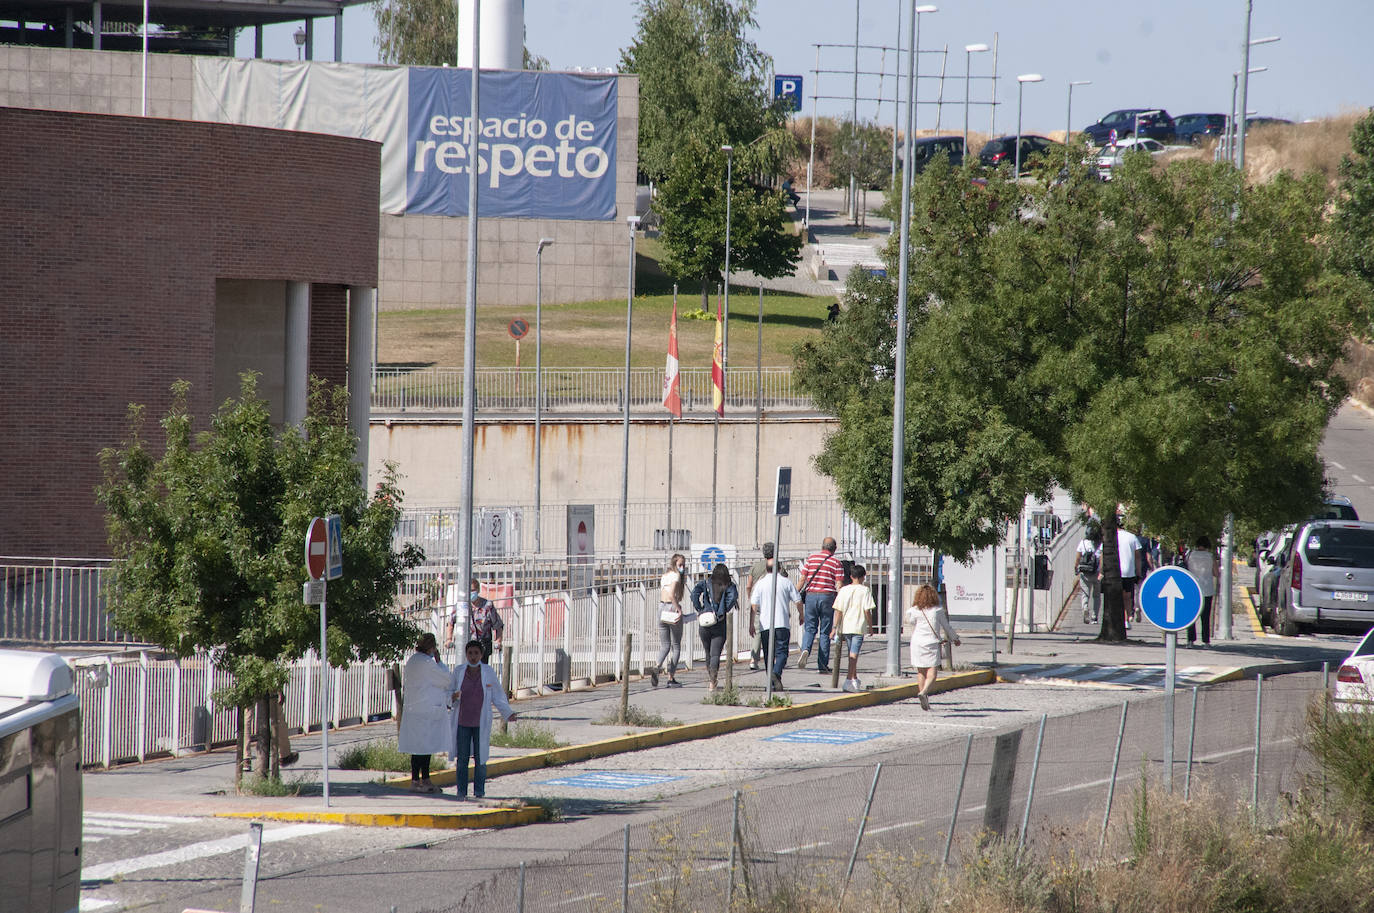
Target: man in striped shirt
[821,574]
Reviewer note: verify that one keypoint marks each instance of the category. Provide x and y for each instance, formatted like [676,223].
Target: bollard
[251,856]
[506,654]
[837,643]
[625,679]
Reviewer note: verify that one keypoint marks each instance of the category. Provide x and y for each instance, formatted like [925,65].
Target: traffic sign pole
[324,692]
[782,506]
[1170,648]
[1171,599]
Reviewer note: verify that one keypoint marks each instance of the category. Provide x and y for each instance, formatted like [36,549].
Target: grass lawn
[592,333]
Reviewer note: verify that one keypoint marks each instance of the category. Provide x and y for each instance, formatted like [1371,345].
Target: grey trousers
[670,645]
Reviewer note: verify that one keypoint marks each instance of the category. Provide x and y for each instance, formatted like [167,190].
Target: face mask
[475,662]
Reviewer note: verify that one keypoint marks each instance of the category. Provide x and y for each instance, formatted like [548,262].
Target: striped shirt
[822,573]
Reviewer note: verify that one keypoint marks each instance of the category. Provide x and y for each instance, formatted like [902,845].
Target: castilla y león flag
[718,367]
[672,398]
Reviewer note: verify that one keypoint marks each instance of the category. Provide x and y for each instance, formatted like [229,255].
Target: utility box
[40,783]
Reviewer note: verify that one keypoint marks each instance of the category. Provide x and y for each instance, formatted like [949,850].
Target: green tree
[1166,340]
[424,33]
[864,151]
[208,539]
[1353,220]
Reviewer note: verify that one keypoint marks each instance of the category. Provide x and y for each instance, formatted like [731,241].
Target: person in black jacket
[712,598]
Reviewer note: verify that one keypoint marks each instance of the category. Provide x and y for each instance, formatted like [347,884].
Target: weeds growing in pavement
[777,700]
[527,734]
[381,754]
[635,716]
[257,785]
[723,697]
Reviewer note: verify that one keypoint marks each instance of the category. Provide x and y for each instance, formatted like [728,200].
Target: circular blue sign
[1171,598]
[711,556]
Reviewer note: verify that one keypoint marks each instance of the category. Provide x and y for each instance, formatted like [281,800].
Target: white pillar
[502,38]
[297,369]
[362,300]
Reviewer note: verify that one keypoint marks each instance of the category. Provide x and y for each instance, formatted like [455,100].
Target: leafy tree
[692,203]
[209,539]
[1353,220]
[864,151]
[1146,341]
[424,33]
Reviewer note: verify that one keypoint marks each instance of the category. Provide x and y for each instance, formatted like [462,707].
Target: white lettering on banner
[572,161]
[505,128]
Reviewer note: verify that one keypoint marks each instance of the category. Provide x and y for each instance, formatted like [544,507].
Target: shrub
[527,734]
[1343,744]
[381,754]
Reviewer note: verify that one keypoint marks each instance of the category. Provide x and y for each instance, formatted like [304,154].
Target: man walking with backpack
[1089,566]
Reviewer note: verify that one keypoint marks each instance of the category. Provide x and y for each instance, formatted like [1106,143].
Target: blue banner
[546,144]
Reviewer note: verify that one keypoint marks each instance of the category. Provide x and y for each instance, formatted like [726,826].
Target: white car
[1354,689]
[1108,157]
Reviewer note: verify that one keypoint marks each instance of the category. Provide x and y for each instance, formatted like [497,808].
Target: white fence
[580,389]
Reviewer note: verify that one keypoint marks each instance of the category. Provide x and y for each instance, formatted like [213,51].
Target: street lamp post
[465,496]
[300,40]
[538,387]
[1231,126]
[729,193]
[1020,87]
[1245,72]
[969,51]
[633,223]
[894,543]
[1068,118]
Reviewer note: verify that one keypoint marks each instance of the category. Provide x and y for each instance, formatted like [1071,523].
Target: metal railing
[438,389]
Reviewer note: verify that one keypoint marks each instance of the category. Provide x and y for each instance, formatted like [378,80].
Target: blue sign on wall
[546,144]
[790,88]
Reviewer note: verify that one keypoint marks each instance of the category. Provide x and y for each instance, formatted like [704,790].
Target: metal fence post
[176,707]
[1254,776]
[625,875]
[734,853]
[107,724]
[250,868]
[520,891]
[1192,734]
[142,724]
[1030,793]
[858,838]
[1111,784]
[958,797]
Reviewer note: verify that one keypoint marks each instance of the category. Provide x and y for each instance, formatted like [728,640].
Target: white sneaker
[850,685]
[858,685]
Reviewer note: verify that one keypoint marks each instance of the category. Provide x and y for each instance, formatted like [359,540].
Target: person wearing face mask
[475,691]
[484,622]
[424,710]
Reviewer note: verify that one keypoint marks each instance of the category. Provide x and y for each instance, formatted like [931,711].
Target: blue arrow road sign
[1170,598]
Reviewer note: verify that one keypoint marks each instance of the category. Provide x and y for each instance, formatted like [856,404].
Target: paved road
[1349,457]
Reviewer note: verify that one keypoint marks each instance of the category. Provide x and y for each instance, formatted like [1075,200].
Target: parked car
[1327,582]
[1252,122]
[1194,128]
[1002,150]
[1272,553]
[1154,123]
[1354,688]
[1110,156]
[925,149]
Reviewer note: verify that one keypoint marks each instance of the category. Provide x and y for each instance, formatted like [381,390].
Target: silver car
[1328,581]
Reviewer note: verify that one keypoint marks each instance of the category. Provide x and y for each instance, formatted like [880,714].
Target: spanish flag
[672,396]
[718,365]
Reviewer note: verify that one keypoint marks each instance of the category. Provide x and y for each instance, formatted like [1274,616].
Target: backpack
[1088,563]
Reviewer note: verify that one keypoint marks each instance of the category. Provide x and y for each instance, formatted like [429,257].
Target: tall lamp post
[1020,91]
[538,388]
[969,51]
[894,543]
[633,223]
[1068,118]
[1231,125]
[1243,112]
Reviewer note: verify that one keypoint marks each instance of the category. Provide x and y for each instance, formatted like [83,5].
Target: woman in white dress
[424,711]
[929,630]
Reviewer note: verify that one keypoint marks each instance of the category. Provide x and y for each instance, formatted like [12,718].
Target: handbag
[706,619]
[669,616]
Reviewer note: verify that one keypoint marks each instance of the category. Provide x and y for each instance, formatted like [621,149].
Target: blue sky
[1178,54]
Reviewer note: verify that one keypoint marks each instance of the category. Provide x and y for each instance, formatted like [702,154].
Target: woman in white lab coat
[475,690]
[424,711]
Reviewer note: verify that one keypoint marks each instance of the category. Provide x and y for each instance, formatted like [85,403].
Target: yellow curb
[1251,614]
[465,820]
[1231,675]
[572,754]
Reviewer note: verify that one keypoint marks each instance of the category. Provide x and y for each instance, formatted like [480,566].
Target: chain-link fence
[852,827]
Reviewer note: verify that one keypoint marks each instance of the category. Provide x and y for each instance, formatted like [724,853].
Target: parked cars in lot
[1153,122]
[1272,552]
[1002,150]
[1110,156]
[927,148]
[1194,128]
[1328,580]
[1354,689]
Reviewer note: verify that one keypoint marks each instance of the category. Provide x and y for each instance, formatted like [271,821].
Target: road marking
[91,904]
[108,870]
[1338,465]
[96,826]
[921,721]
[1357,478]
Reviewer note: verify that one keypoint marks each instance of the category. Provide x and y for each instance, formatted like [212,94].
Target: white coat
[495,697]
[424,716]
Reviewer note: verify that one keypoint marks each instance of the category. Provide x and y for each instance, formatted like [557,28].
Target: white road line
[919,721]
[91,904]
[108,870]
[111,831]
[1104,672]
[114,817]
[1337,465]
[1357,478]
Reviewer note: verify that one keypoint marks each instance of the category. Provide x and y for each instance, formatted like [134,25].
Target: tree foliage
[209,537]
[1353,221]
[417,33]
[1166,340]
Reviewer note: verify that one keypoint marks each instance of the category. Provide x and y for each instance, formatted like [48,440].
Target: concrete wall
[581,460]
[422,258]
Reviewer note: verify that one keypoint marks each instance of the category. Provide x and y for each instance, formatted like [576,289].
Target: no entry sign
[317,548]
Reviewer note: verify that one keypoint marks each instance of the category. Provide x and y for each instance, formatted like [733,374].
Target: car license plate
[1348,596]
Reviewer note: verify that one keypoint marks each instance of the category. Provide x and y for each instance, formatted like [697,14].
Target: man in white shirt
[774,596]
[1130,552]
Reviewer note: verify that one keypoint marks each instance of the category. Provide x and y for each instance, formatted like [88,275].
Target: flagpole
[718,404]
[672,354]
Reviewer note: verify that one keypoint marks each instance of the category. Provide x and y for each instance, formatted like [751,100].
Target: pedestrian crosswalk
[97,826]
[1092,675]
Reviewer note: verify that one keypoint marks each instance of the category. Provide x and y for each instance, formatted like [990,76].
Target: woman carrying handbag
[671,588]
[713,598]
[929,631]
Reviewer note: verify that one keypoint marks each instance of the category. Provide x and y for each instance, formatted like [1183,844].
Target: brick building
[143,251]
